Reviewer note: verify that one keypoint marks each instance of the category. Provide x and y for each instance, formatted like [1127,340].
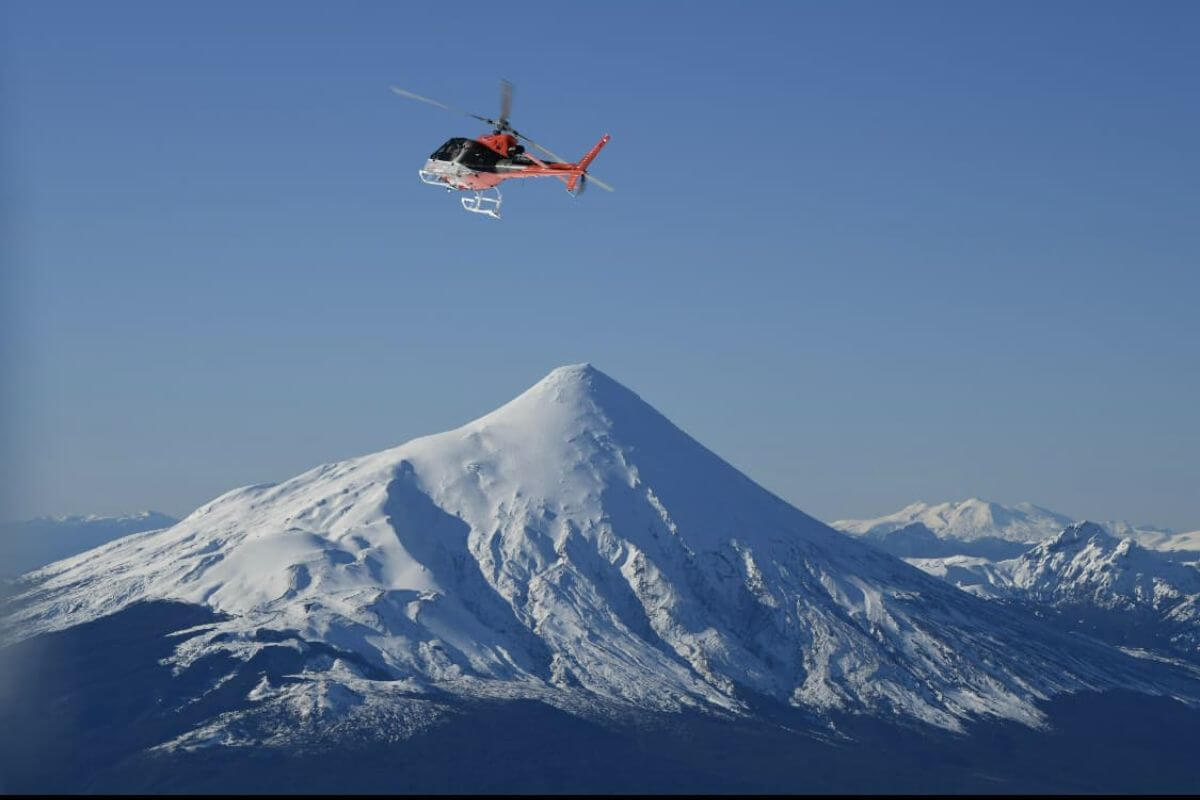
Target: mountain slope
[573,546]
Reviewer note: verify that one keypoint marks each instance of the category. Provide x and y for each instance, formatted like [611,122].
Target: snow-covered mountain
[33,543]
[968,520]
[1105,585]
[1085,563]
[985,522]
[572,547]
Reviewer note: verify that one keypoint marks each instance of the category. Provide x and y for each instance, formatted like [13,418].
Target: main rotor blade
[506,97]
[441,105]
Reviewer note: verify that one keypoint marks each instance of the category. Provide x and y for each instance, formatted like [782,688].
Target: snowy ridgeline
[572,547]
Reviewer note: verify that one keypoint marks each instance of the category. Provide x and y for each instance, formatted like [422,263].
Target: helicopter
[481,164]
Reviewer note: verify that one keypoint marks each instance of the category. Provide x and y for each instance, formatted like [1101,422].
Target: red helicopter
[480,165]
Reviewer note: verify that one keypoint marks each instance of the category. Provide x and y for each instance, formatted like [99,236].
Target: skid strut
[433,179]
[486,202]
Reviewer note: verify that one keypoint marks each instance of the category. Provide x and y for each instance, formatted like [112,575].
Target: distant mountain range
[974,519]
[967,520]
[25,546]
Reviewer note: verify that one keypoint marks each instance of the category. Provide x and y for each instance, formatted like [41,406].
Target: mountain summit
[572,546]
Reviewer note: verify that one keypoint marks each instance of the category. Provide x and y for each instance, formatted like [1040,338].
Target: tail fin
[595,151]
[583,163]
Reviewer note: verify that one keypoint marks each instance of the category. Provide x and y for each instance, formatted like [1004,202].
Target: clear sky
[868,252]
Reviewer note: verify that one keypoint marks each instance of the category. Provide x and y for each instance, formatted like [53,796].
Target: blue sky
[868,252]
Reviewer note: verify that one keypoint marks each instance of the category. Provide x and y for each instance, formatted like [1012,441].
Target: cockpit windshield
[450,150]
[468,152]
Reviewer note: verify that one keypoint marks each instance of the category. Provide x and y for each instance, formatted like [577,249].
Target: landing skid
[485,203]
